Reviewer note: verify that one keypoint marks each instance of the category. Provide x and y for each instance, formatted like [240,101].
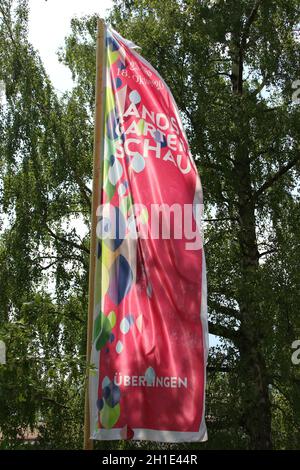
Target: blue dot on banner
[164,142]
[120,232]
[118,82]
[112,160]
[114,44]
[121,65]
[134,97]
[116,229]
[111,338]
[105,225]
[157,136]
[111,124]
[100,404]
[105,382]
[106,392]
[121,278]
[114,397]
[130,319]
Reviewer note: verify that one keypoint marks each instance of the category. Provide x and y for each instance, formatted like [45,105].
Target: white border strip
[151,435]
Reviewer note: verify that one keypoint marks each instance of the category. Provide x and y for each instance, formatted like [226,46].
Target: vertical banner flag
[149,347]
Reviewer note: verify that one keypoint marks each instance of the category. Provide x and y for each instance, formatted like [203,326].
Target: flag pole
[96,195]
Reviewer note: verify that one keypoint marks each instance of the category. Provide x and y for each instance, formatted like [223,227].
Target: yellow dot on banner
[98,284]
[139,323]
[113,56]
[124,205]
[108,256]
[112,318]
[141,126]
[109,416]
[105,279]
[110,101]
[144,216]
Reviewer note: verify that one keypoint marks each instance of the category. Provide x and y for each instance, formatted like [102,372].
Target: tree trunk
[253,372]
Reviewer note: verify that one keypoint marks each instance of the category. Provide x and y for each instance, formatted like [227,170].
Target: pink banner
[150,327]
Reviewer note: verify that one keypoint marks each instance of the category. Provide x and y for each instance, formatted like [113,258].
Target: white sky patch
[49,24]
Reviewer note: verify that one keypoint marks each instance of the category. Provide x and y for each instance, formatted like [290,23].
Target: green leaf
[102,331]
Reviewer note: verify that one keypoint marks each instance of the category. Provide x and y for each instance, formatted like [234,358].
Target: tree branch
[223,331]
[224,310]
[262,152]
[7,20]
[221,219]
[67,242]
[260,87]
[274,178]
[210,166]
[218,369]
[250,20]
[54,402]
[268,252]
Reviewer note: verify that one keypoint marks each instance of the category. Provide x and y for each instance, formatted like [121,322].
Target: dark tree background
[232,66]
